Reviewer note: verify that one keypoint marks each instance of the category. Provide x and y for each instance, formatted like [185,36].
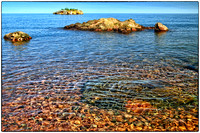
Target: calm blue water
[56,54]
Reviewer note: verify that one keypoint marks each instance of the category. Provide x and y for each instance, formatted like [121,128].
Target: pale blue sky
[101,7]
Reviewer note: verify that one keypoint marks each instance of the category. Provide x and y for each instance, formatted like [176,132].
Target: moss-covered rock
[17,36]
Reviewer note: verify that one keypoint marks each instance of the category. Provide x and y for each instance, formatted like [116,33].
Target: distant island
[68,11]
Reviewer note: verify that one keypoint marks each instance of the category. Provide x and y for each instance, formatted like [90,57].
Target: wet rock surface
[160,27]
[109,24]
[17,36]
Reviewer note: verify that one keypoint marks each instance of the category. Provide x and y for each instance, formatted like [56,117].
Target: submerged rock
[191,67]
[17,36]
[109,24]
[160,27]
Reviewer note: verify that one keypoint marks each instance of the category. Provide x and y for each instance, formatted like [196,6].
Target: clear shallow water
[58,62]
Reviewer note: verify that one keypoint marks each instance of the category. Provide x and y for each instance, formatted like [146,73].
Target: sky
[101,7]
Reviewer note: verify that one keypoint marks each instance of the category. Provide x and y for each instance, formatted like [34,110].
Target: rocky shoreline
[112,24]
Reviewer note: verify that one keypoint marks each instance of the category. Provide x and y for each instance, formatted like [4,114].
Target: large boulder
[107,24]
[160,27]
[17,36]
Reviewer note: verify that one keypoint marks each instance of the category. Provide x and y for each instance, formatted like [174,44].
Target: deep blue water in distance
[55,51]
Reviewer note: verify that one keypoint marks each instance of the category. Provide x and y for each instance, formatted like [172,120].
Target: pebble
[94,117]
[132,127]
[110,112]
[77,122]
[119,118]
[121,129]
[94,125]
[23,125]
[127,115]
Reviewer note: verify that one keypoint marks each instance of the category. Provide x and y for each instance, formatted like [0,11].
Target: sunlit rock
[109,24]
[17,36]
[67,11]
[160,27]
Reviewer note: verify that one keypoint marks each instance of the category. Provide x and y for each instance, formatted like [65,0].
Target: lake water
[101,69]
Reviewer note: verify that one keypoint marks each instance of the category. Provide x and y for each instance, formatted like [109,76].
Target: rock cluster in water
[111,24]
[17,36]
[69,12]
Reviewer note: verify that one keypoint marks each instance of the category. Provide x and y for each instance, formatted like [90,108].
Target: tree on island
[67,9]
[71,9]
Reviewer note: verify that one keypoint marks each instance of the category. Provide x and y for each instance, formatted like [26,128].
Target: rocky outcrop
[108,24]
[69,12]
[17,36]
[160,27]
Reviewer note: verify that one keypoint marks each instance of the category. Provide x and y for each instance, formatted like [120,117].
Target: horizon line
[105,13]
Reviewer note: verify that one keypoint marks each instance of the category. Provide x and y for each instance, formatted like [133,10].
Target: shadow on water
[192,67]
[18,46]
[160,34]
[159,37]
[20,43]
[17,43]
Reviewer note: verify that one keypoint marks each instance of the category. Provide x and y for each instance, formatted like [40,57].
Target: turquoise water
[57,55]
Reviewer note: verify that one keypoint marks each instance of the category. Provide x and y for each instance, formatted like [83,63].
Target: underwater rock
[109,24]
[17,36]
[160,27]
[138,106]
[191,67]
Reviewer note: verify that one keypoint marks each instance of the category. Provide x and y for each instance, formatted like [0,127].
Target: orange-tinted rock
[112,24]
[69,12]
[17,36]
[138,106]
[133,29]
[160,27]
[107,24]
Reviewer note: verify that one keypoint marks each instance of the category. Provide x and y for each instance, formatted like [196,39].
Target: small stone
[127,115]
[119,118]
[121,129]
[46,123]
[132,127]
[60,106]
[77,122]
[94,125]
[138,128]
[182,128]
[21,107]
